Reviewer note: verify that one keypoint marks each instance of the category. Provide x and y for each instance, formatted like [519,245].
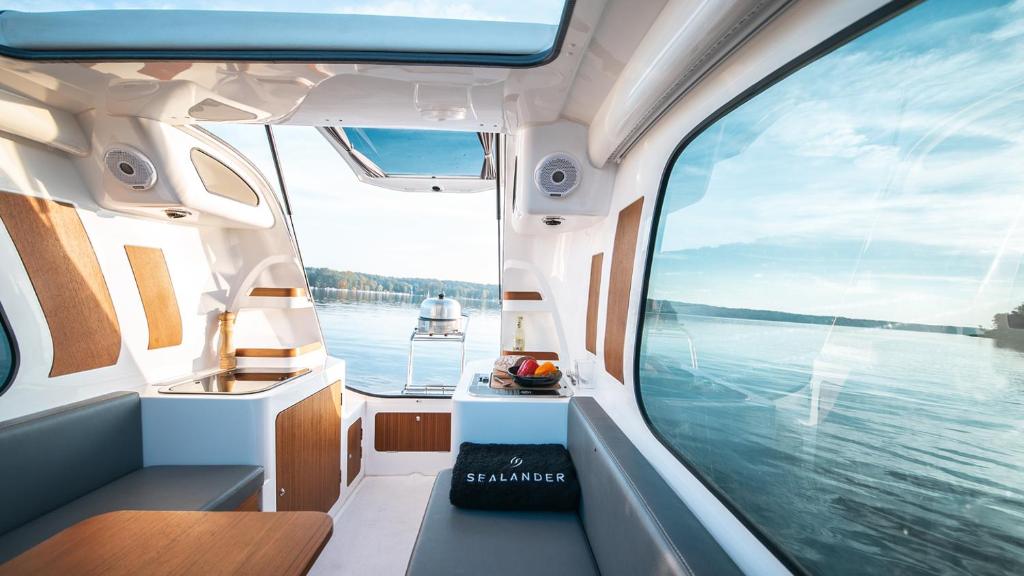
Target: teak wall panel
[594,300]
[161,306]
[308,442]
[619,283]
[355,451]
[68,282]
[412,432]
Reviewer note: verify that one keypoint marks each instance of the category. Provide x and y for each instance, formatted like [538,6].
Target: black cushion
[453,541]
[635,522]
[53,457]
[153,488]
[514,477]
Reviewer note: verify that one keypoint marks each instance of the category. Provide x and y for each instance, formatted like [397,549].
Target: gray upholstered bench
[629,522]
[70,463]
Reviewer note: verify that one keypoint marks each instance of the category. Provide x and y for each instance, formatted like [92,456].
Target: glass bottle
[519,338]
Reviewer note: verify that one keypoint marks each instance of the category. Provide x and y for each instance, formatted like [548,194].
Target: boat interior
[732,236]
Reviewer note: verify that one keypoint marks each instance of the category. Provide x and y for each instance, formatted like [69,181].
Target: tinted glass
[515,33]
[6,356]
[834,331]
[420,152]
[536,11]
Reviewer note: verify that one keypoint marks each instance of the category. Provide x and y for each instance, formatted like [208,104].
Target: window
[373,254]
[432,153]
[831,337]
[7,359]
[470,32]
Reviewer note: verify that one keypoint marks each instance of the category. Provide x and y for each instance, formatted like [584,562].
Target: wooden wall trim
[161,306]
[538,354]
[521,295]
[412,432]
[619,284]
[594,300]
[277,352]
[72,291]
[278,292]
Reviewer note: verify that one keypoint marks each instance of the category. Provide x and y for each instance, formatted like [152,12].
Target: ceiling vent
[558,174]
[131,168]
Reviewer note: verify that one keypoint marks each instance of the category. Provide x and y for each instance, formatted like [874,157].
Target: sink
[235,382]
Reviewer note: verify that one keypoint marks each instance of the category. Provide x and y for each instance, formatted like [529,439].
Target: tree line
[327,278]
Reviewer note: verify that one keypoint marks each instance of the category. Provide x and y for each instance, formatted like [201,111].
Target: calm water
[916,463]
[371,333]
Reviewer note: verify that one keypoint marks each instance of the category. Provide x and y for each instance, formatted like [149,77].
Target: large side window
[7,363]
[833,336]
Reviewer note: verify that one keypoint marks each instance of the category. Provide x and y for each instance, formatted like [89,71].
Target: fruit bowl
[549,379]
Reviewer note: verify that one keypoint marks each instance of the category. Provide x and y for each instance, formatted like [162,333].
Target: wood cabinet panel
[355,451]
[620,282]
[412,432]
[594,300]
[309,452]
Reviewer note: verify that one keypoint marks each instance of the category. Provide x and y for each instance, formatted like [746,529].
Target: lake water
[912,463]
[915,464]
[370,331]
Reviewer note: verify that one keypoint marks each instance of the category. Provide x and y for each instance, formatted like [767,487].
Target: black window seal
[5,327]
[481,59]
[841,38]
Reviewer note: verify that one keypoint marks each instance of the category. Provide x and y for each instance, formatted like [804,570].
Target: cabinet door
[355,450]
[309,452]
[412,432]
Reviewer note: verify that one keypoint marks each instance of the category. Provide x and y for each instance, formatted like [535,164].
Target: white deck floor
[376,528]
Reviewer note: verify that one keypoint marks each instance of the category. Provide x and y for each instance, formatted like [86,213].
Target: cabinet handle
[282,492]
[417,418]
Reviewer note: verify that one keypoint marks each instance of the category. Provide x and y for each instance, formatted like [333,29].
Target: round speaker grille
[557,174]
[130,168]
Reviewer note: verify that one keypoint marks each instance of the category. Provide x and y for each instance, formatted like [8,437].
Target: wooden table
[138,542]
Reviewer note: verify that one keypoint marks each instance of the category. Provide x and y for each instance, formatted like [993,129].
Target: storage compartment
[413,432]
[308,443]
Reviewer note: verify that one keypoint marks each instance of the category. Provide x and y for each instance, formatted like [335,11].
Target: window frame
[5,328]
[482,59]
[876,18]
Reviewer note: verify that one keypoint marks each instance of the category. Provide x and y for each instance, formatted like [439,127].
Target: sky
[344,224]
[537,11]
[884,181]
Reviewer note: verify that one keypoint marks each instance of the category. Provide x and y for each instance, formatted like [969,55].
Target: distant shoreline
[389,293]
[671,308]
[359,282]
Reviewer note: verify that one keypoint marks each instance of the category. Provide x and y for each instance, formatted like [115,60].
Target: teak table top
[164,543]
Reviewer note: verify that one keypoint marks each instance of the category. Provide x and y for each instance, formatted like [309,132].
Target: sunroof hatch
[418,160]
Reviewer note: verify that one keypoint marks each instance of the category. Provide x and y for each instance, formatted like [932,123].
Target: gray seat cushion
[453,541]
[635,522]
[153,488]
[53,457]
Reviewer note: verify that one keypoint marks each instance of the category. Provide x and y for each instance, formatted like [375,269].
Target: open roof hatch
[418,160]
